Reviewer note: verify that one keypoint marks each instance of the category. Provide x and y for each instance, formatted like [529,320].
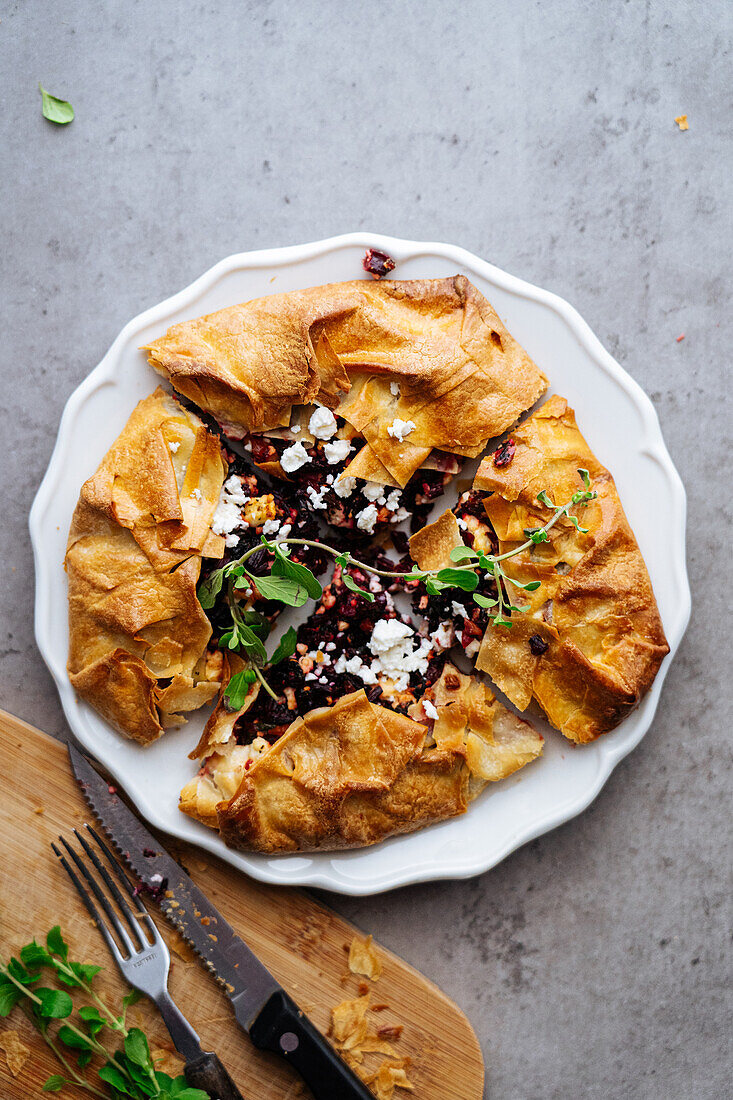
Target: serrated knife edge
[228,967]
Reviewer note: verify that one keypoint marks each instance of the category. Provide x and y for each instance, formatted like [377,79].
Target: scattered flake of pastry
[363,958]
[592,641]
[167,1061]
[348,1022]
[16,1052]
[682,122]
[39,810]
[389,1076]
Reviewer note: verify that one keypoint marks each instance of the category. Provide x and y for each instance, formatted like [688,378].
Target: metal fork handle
[203,1070]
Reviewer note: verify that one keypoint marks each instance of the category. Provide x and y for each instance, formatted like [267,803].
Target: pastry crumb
[682,122]
[363,958]
[39,810]
[16,1052]
[388,1077]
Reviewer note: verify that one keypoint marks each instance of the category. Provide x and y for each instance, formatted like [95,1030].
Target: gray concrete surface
[593,963]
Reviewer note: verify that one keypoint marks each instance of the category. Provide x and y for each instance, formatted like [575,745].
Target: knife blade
[261,1006]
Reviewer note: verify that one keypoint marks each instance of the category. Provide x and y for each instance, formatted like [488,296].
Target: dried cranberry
[377,263]
[538,645]
[504,454]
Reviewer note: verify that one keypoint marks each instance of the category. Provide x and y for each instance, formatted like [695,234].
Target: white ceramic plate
[614,414]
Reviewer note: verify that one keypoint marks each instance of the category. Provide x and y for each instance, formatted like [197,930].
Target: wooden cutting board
[301,941]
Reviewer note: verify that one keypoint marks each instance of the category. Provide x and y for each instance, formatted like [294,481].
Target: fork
[144,964]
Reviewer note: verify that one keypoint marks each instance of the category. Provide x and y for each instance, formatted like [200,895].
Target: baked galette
[326,423]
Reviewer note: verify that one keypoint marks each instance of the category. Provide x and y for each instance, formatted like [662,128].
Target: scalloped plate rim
[320,873]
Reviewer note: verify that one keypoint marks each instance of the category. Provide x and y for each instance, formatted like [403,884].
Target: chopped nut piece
[363,958]
[16,1052]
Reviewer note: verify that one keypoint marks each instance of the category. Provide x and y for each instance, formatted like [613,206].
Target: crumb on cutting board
[363,958]
[16,1052]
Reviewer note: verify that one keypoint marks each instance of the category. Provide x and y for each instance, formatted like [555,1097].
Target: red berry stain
[377,263]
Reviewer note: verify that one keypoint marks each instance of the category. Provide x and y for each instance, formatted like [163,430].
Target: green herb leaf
[111,1075]
[93,1019]
[237,691]
[285,647]
[85,972]
[576,525]
[9,997]
[544,499]
[531,586]
[85,1057]
[55,1083]
[251,644]
[131,998]
[343,559]
[522,610]
[415,575]
[462,553]
[484,601]
[585,476]
[34,956]
[434,587]
[189,1094]
[55,110]
[71,1039]
[458,578]
[499,621]
[285,567]
[282,588]
[56,1004]
[19,972]
[209,589]
[136,1048]
[56,944]
[352,586]
[536,534]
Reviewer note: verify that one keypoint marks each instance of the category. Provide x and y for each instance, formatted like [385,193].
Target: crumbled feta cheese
[399,515]
[295,429]
[459,609]
[173,447]
[392,643]
[285,530]
[392,502]
[196,494]
[400,429]
[228,515]
[430,709]
[344,487]
[271,526]
[329,647]
[371,490]
[315,496]
[394,389]
[356,667]
[322,423]
[336,451]
[310,676]
[366,519]
[461,523]
[329,479]
[473,647]
[294,457]
[444,636]
[374,584]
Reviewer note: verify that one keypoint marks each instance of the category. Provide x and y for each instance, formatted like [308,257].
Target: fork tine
[114,890]
[99,895]
[117,868]
[91,907]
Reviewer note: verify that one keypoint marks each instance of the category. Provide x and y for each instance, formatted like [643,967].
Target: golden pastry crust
[459,376]
[595,610]
[138,634]
[355,773]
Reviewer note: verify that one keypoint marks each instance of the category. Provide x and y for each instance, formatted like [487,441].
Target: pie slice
[355,773]
[138,635]
[409,366]
[592,641]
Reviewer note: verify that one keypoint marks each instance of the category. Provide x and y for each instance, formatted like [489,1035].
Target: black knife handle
[208,1073]
[282,1028]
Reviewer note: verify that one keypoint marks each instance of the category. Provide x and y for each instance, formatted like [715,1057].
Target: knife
[261,1006]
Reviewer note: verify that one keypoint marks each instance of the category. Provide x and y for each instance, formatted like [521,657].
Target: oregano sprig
[128,1071]
[292,583]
